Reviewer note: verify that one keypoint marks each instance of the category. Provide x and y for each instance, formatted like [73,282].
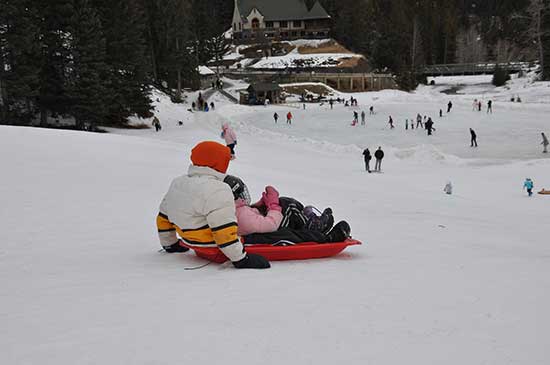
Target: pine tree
[123,24]
[19,60]
[89,69]
[55,17]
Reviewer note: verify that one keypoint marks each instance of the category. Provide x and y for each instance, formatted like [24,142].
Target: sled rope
[198,267]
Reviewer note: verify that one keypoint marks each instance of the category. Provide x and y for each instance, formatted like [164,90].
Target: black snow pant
[473,142]
[378,164]
[367,165]
[286,234]
[232,148]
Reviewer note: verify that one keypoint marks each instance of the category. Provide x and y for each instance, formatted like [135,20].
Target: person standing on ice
[418,121]
[440,113]
[275,117]
[449,106]
[200,208]
[474,105]
[406,124]
[367,156]
[473,139]
[528,185]
[379,155]
[230,138]
[490,107]
[363,118]
[390,122]
[544,143]
[479,106]
[289,118]
[371,110]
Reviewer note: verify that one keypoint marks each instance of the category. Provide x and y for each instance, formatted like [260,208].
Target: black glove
[176,247]
[252,261]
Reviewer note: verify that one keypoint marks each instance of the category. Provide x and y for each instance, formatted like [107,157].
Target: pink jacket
[229,134]
[250,220]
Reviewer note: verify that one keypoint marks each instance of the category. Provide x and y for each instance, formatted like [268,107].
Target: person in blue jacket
[528,184]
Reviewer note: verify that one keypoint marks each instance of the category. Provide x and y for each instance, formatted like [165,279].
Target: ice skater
[276,117]
[289,118]
[418,121]
[156,124]
[490,107]
[371,110]
[449,106]
[363,118]
[390,122]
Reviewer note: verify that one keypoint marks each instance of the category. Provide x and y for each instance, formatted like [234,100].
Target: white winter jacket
[200,208]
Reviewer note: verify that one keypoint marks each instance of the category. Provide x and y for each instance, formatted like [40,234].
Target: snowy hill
[460,279]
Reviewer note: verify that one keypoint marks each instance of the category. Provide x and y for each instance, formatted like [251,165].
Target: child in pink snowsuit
[251,220]
[230,138]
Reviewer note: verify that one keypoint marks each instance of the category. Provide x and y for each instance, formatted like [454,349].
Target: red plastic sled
[299,251]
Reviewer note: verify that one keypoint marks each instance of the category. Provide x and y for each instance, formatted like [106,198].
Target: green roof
[274,10]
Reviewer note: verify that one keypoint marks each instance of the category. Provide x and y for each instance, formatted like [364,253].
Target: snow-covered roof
[283,9]
[205,71]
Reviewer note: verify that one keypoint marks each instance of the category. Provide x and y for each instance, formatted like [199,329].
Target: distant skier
[156,124]
[371,110]
[368,157]
[529,185]
[449,106]
[429,126]
[379,155]
[276,117]
[544,143]
[490,107]
[289,118]
[363,118]
[230,138]
[473,140]
[448,189]
[390,122]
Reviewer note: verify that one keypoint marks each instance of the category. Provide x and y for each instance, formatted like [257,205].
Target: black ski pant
[367,165]
[232,148]
[286,234]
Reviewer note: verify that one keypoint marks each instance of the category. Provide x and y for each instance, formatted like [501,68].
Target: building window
[283,24]
[269,24]
[255,23]
[297,24]
[294,34]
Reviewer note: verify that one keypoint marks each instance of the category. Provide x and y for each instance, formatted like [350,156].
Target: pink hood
[250,220]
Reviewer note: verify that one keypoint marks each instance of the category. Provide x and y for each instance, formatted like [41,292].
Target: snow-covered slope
[459,279]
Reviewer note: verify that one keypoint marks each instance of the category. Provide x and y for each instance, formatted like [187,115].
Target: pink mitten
[271,198]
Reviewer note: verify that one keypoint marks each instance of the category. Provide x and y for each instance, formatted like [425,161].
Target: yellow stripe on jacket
[222,236]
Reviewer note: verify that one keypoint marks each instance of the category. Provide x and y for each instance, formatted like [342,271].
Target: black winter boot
[339,232]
